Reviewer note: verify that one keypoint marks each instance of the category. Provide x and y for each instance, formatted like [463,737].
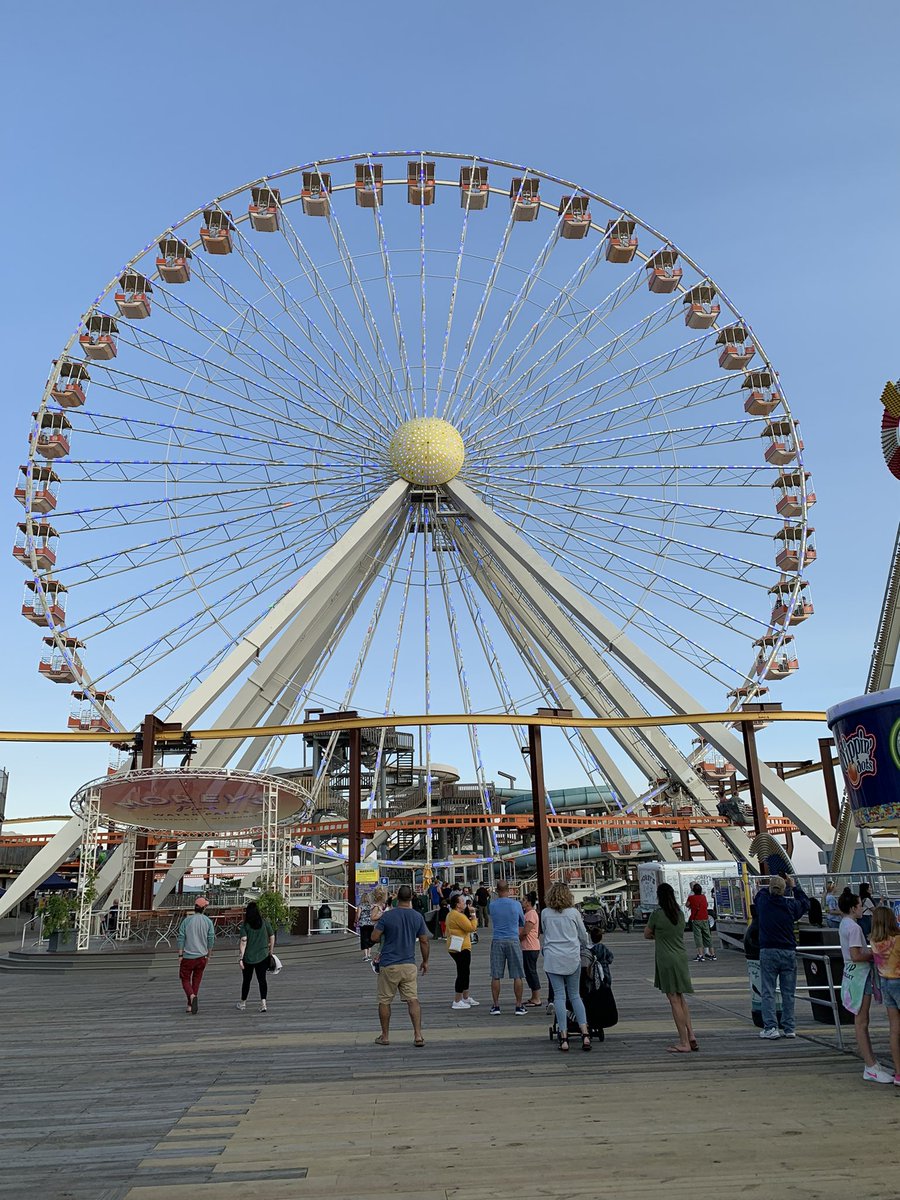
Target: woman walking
[257,943]
[531,948]
[460,927]
[563,936]
[364,926]
[665,929]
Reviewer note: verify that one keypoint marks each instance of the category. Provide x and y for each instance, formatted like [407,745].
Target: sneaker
[877,1074]
[711,957]
[495,1010]
[262,1006]
[521,1010]
[241,1005]
[457,1004]
[472,1002]
[788,1035]
[699,958]
[770,1035]
[897,1081]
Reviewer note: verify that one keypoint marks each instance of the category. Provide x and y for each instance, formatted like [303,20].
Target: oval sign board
[194,801]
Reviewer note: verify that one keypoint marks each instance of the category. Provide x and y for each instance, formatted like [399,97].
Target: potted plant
[273,907]
[56,914]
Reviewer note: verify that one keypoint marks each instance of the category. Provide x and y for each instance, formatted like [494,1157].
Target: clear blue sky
[762,137]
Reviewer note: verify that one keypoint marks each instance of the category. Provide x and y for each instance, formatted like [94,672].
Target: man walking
[482,896]
[398,929]
[196,935]
[778,908]
[507,919]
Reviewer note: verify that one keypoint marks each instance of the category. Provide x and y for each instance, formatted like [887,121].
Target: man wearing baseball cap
[195,942]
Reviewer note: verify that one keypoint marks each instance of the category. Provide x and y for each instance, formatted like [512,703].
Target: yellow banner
[366,873]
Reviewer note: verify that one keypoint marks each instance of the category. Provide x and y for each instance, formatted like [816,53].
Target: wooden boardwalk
[111,1093]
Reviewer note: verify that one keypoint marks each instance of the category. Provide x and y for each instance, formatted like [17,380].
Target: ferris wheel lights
[576,217]
[524,198]
[763,396]
[99,339]
[265,209]
[700,311]
[663,276]
[420,182]
[133,301]
[315,194]
[174,264]
[426,451]
[621,244]
[369,185]
[216,232]
[473,188]
[69,389]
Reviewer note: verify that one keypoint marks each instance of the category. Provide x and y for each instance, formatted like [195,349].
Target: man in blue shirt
[778,909]
[507,918]
[398,929]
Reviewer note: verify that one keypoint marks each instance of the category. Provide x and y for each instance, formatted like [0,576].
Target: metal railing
[833,1001]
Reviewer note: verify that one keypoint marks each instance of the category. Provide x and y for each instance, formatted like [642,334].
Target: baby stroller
[596,991]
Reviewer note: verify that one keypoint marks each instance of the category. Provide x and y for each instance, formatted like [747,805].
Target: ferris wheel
[472,425]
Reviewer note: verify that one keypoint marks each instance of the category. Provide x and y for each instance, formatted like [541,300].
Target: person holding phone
[460,927]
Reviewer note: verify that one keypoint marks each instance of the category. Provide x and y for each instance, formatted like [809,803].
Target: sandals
[585,1041]
[564,1045]
[678,1050]
[695,1045]
[419,1043]
[381,1041]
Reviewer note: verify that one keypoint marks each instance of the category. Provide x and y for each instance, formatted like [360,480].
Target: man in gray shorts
[507,918]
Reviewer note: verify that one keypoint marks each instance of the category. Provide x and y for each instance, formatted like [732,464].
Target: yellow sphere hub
[427,451]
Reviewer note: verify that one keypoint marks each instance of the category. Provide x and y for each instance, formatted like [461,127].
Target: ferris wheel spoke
[219,569]
[568,383]
[365,310]
[657,544]
[626,474]
[286,357]
[659,509]
[276,423]
[464,691]
[449,410]
[582,323]
[685,646]
[614,560]
[507,322]
[158,510]
[394,303]
[368,380]
[451,308]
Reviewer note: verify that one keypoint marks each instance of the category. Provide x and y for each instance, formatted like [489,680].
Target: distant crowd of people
[577,963]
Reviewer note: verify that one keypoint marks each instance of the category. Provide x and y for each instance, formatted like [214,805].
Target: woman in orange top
[531,948]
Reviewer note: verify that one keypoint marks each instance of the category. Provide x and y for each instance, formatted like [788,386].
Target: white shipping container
[681,876]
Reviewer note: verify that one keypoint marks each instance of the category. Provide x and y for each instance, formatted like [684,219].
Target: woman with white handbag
[460,928]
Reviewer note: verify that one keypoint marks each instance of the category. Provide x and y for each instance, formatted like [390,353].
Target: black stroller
[600,1008]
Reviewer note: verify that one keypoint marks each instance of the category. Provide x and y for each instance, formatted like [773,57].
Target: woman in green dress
[673,976]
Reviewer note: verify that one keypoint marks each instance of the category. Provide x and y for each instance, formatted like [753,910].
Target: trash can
[300,924]
[324,916]
[817,982]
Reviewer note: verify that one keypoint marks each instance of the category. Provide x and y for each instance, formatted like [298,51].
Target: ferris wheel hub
[427,451]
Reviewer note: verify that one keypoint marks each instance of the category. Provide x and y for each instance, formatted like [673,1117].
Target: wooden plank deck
[111,1093]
